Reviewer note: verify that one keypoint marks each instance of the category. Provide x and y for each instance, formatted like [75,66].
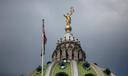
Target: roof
[67,69]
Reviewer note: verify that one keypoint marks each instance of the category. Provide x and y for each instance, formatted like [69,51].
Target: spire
[68,27]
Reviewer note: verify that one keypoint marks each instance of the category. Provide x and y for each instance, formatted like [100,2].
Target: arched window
[61,74]
[89,74]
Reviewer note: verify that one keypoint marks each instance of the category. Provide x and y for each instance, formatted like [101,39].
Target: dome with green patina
[69,59]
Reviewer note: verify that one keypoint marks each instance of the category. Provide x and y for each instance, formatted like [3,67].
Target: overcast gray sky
[100,25]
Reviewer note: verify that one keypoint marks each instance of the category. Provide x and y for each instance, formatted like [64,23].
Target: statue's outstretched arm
[70,14]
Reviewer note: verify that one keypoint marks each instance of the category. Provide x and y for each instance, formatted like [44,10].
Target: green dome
[73,68]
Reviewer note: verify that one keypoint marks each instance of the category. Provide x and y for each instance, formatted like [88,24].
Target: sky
[100,25]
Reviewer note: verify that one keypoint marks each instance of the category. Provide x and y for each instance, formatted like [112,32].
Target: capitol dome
[69,59]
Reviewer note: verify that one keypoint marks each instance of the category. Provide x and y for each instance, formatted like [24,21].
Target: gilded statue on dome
[68,16]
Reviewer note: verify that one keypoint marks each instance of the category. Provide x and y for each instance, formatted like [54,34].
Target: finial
[68,19]
[43,20]
[69,38]
[77,40]
[64,38]
[73,38]
[60,39]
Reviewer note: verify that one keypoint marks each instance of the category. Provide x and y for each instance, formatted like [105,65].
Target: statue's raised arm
[71,10]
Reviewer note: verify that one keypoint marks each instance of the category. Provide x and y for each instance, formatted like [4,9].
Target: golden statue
[68,19]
